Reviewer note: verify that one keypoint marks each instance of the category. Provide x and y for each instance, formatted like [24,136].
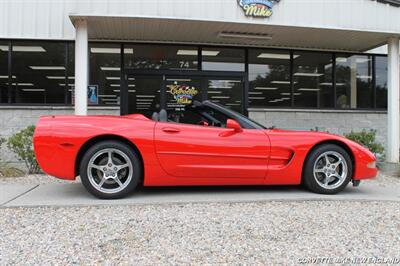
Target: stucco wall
[13,119]
[337,122]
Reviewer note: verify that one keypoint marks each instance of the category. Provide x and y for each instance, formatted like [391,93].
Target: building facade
[288,63]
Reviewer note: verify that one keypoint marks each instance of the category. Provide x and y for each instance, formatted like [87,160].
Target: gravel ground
[181,234]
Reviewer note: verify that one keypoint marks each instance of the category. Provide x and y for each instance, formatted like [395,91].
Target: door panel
[209,152]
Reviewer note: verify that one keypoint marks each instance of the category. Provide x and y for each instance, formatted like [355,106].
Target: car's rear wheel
[110,170]
[328,169]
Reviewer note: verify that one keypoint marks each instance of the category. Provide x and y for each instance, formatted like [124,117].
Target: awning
[171,30]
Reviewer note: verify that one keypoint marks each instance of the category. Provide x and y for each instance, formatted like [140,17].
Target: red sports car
[205,145]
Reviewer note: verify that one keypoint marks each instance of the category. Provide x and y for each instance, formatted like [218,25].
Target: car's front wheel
[110,170]
[328,169]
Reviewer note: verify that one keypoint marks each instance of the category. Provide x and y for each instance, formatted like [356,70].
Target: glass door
[144,94]
[181,92]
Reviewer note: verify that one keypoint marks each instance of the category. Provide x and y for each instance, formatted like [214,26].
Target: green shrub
[21,144]
[367,139]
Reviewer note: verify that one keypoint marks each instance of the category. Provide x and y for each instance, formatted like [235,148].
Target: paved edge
[194,202]
[3,204]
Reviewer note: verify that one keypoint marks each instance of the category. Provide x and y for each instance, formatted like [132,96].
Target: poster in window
[93,96]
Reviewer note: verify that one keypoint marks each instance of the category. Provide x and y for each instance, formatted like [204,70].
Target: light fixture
[280,82]
[255,93]
[244,35]
[33,90]
[58,77]
[104,50]
[113,78]
[131,90]
[220,97]
[256,98]
[23,48]
[21,84]
[145,96]
[214,92]
[187,52]
[364,77]
[288,93]
[6,77]
[107,95]
[233,104]
[131,78]
[277,56]
[144,100]
[299,74]
[63,84]
[47,67]
[131,85]
[266,88]
[115,85]
[219,87]
[104,68]
[309,89]
[179,80]
[209,53]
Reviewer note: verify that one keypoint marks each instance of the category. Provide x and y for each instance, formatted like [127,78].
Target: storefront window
[223,59]
[38,72]
[164,57]
[381,81]
[3,72]
[228,92]
[144,94]
[312,79]
[269,77]
[354,87]
[70,78]
[105,73]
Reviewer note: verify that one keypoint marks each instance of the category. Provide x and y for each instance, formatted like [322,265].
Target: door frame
[124,107]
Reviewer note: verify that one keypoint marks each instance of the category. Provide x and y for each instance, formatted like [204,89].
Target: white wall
[48,19]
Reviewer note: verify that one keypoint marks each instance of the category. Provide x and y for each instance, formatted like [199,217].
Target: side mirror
[232,124]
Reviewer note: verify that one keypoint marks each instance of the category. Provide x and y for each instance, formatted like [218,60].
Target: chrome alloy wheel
[110,170]
[330,170]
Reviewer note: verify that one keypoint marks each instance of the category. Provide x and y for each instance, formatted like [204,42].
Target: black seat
[163,116]
[155,116]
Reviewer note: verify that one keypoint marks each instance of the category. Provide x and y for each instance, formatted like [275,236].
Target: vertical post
[81,67]
[392,152]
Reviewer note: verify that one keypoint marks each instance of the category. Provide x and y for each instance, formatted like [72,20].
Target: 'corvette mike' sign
[257,8]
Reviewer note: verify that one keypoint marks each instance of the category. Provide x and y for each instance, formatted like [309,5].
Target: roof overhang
[186,31]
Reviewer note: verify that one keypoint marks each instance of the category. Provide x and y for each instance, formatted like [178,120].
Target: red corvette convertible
[205,145]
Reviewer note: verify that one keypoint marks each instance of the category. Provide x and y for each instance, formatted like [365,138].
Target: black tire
[131,155]
[310,181]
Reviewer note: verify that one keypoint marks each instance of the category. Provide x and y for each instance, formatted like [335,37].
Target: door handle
[170,130]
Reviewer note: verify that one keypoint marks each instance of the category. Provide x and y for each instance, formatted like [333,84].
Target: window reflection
[312,79]
[381,81]
[354,88]
[105,72]
[269,76]
[3,72]
[228,92]
[38,72]
[161,57]
[223,59]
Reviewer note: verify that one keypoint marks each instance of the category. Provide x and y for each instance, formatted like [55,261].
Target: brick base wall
[337,122]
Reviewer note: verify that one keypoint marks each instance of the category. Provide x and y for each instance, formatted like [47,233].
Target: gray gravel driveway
[198,233]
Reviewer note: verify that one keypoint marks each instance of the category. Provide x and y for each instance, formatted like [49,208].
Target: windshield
[244,121]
